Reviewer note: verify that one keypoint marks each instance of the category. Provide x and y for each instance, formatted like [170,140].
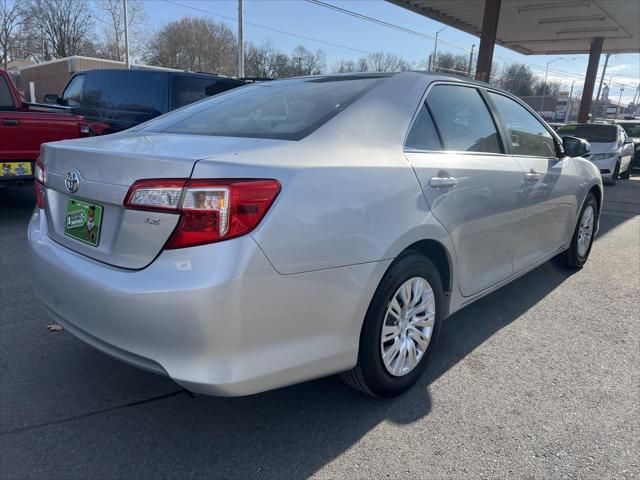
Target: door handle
[443,182]
[532,177]
[11,122]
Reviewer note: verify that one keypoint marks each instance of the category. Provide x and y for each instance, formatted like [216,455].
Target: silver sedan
[289,230]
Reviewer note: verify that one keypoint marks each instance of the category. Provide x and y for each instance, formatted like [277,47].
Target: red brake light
[39,182]
[210,210]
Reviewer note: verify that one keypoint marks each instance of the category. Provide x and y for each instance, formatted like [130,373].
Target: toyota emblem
[72,181]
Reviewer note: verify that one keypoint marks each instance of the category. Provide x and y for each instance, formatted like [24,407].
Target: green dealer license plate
[82,221]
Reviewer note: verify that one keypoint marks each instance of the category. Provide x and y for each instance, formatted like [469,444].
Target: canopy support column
[487,39]
[590,79]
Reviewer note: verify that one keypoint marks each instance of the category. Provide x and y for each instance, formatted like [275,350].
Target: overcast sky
[349,37]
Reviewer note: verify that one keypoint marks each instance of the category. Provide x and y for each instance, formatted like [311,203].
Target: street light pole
[240,42]
[126,35]
[471,59]
[546,72]
[435,50]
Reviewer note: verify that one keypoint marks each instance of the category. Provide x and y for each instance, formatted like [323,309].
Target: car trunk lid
[104,169]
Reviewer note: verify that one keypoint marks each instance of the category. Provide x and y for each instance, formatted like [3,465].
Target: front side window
[6,100]
[527,135]
[72,96]
[463,120]
[284,109]
[423,135]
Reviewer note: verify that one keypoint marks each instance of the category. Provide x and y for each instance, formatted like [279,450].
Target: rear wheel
[400,328]
[576,255]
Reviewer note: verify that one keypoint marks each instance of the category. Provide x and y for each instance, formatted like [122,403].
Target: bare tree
[450,63]
[63,25]
[374,62]
[306,62]
[195,44]
[111,17]
[517,79]
[10,20]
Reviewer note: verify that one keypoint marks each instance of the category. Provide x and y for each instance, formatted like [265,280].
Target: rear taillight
[210,210]
[39,183]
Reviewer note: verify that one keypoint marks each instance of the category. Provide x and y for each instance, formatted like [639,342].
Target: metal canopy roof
[538,27]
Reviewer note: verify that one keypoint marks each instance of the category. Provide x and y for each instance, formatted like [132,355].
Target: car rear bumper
[217,319]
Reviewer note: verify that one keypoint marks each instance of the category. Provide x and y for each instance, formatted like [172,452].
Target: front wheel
[627,173]
[576,255]
[400,328]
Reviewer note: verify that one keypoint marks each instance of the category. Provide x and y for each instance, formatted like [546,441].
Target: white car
[611,148]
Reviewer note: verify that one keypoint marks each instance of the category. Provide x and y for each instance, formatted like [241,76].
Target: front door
[470,184]
[549,186]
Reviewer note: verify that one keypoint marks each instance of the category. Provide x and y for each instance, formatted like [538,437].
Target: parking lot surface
[540,379]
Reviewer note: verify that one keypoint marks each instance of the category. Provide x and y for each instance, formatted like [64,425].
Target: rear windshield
[591,133]
[188,89]
[285,109]
[632,129]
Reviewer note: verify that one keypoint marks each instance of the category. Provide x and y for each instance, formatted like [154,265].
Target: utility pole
[240,42]
[126,35]
[471,59]
[604,70]
[435,50]
[567,115]
[619,98]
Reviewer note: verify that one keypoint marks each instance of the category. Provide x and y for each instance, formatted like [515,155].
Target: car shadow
[294,431]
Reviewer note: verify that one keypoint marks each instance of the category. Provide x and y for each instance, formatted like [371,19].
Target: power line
[257,25]
[384,23]
[429,37]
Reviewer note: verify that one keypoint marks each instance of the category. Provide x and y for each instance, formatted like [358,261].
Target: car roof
[122,71]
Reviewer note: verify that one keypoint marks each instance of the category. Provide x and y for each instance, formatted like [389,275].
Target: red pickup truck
[24,127]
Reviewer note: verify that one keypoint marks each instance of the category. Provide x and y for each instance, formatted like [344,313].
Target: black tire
[370,375]
[570,258]
[627,172]
[615,175]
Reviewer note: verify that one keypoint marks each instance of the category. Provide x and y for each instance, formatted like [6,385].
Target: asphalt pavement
[540,379]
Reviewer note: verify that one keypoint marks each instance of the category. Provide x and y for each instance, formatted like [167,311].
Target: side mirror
[51,99]
[575,147]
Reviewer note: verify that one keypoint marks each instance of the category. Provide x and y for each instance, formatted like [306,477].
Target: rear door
[471,185]
[549,187]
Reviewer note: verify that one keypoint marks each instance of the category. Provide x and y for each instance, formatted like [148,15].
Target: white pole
[126,35]
[434,61]
[240,42]
[567,115]
[471,58]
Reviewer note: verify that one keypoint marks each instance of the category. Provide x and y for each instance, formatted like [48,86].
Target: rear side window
[283,109]
[130,90]
[72,96]
[423,135]
[527,135]
[463,120]
[6,100]
[188,89]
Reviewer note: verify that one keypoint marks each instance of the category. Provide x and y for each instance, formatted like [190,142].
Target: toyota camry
[293,229]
